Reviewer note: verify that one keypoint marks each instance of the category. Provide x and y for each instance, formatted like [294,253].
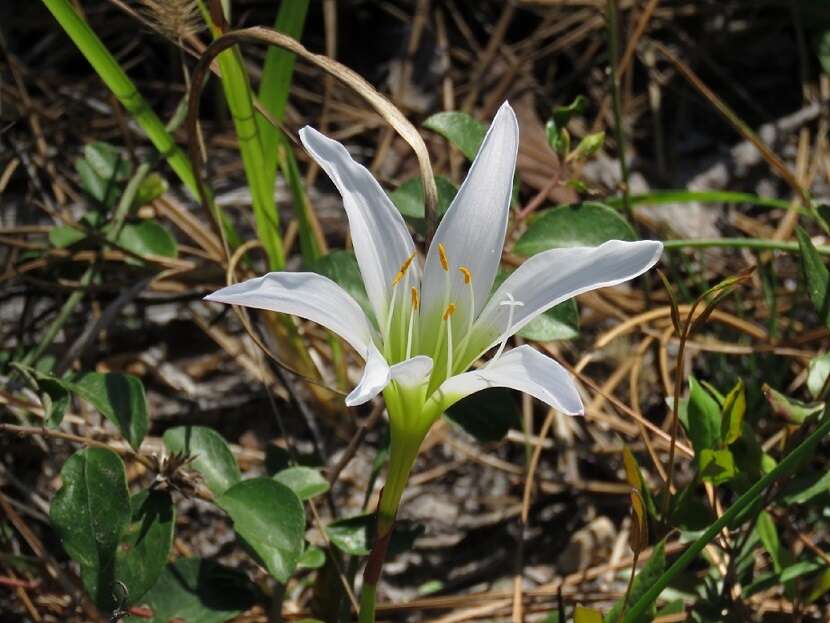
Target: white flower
[434,322]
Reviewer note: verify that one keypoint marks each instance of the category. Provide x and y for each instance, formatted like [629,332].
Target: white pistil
[415,303]
[448,319]
[512,304]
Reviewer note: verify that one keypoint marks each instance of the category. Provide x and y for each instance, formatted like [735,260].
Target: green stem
[739,243]
[367,604]
[619,133]
[742,503]
[123,88]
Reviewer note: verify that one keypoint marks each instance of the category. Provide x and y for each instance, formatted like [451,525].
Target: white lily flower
[434,323]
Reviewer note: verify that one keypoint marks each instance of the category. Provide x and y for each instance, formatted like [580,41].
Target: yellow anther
[468,276]
[449,311]
[415,299]
[404,267]
[442,255]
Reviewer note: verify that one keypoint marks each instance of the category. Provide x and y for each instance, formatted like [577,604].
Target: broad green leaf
[270,518]
[312,558]
[717,466]
[486,415]
[823,50]
[305,482]
[214,459]
[585,225]
[563,114]
[102,190]
[142,552]
[561,322]
[106,161]
[194,590]
[409,198]
[118,397]
[356,535]
[817,373]
[90,512]
[460,129]
[648,574]
[702,419]
[794,410]
[147,238]
[62,236]
[732,417]
[769,537]
[587,615]
[342,268]
[815,274]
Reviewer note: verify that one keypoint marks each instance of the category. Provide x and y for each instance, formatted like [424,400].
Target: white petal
[412,372]
[307,295]
[381,241]
[550,277]
[473,229]
[376,376]
[524,369]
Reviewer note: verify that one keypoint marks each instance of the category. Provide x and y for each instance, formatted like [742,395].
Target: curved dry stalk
[350,78]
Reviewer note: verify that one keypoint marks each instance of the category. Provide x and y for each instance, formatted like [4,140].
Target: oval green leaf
[270,518]
[460,129]
[305,482]
[144,547]
[197,590]
[213,457]
[90,512]
[584,225]
[148,238]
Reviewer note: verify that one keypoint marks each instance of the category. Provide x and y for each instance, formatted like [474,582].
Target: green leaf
[55,399]
[823,50]
[804,488]
[63,236]
[312,558]
[589,145]
[194,590]
[563,114]
[356,535]
[151,187]
[815,274]
[717,466]
[270,518]
[305,482]
[409,198]
[486,415]
[794,410]
[804,567]
[214,459]
[118,397]
[342,268]
[690,512]
[732,416]
[144,547]
[148,238]
[102,190]
[769,537]
[585,225]
[90,512]
[107,162]
[558,323]
[650,571]
[702,419]
[817,373]
[460,129]
[587,615]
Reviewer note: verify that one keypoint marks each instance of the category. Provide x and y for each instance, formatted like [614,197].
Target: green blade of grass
[123,88]
[274,87]
[240,100]
[783,468]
